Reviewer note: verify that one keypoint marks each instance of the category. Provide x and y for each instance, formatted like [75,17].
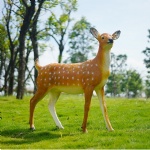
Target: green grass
[129,118]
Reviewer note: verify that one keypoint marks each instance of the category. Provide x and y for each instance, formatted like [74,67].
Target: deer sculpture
[76,78]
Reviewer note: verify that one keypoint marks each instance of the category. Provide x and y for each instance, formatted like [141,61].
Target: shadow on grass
[22,136]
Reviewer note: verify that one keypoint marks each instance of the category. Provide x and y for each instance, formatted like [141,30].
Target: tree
[57,26]
[132,83]
[81,41]
[118,67]
[4,57]
[12,26]
[29,8]
[19,14]
[146,52]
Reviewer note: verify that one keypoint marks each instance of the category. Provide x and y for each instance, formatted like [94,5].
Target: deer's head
[105,40]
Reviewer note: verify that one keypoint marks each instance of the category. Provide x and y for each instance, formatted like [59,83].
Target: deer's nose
[110,41]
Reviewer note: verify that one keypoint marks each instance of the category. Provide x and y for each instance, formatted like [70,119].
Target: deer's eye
[102,38]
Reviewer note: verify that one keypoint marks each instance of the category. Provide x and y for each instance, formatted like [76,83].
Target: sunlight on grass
[129,118]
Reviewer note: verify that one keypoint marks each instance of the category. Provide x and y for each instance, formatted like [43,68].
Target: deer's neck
[103,58]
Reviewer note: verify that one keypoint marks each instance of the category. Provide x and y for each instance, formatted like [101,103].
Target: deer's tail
[37,65]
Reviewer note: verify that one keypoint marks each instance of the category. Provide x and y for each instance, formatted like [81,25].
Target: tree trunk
[21,71]
[61,48]
[11,75]
[33,36]
[22,63]
[36,53]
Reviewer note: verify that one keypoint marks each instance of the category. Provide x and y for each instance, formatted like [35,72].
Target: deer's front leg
[88,94]
[100,94]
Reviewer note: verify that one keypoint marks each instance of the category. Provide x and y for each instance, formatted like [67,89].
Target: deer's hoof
[32,128]
[84,130]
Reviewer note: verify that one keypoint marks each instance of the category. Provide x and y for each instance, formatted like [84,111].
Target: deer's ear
[94,32]
[116,35]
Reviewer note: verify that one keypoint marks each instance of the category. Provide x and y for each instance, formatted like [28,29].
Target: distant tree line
[24,34]
[123,81]
[146,52]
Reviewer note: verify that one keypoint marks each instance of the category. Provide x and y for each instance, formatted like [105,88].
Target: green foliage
[147,87]
[81,42]
[114,84]
[132,83]
[3,40]
[122,81]
[129,118]
[118,65]
[57,25]
[50,4]
[146,52]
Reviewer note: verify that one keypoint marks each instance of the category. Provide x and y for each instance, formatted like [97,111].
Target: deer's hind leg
[53,99]
[34,100]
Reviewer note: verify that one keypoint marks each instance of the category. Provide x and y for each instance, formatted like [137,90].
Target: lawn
[129,117]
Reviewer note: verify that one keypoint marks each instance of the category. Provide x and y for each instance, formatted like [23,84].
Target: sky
[132,17]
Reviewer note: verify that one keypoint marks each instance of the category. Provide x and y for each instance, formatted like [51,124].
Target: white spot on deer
[87,79]
[91,65]
[96,64]
[78,66]
[87,65]
[78,72]
[92,78]
[63,77]
[72,78]
[68,78]
[88,72]
[92,72]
